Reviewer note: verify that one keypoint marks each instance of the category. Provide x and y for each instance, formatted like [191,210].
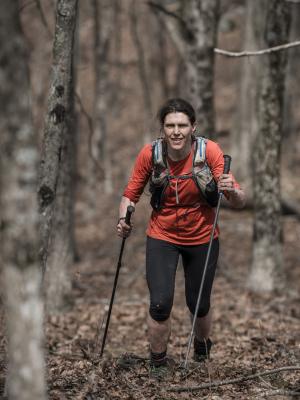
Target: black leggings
[161,264]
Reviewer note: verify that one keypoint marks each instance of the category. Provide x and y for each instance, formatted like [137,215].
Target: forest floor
[251,333]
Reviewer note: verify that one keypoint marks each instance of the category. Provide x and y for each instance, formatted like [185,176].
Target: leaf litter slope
[251,333]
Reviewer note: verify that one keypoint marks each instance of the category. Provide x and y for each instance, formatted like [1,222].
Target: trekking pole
[227,161]
[130,210]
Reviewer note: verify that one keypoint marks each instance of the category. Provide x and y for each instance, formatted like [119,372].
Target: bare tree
[246,117]
[162,56]
[103,28]
[143,73]
[116,89]
[57,159]
[62,242]
[292,94]
[267,265]
[194,32]
[201,39]
[19,215]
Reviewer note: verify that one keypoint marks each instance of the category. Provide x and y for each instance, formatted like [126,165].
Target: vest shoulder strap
[199,151]
[159,154]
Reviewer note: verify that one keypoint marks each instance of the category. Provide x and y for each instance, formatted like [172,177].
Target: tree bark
[103,29]
[201,38]
[58,113]
[193,30]
[246,118]
[267,265]
[143,73]
[115,98]
[19,217]
[162,59]
[292,94]
[57,285]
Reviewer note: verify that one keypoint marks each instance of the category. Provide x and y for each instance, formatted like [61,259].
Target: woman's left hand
[226,183]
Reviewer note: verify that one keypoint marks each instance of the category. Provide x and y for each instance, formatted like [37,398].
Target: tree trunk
[162,56]
[103,29]
[194,33]
[143,73]
[292,94]
[57,283]
[246,116]
[267,265]
[19,217]
[115,98]
[201,38]
[59,113]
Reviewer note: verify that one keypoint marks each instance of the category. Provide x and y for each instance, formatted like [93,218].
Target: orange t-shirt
[185,220]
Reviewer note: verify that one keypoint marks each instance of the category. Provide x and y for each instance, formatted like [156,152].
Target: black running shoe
[162,372]
[202,349]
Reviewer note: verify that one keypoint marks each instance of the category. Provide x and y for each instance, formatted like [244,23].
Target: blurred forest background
[81,83]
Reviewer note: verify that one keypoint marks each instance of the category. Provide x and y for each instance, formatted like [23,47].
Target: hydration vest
[200,173]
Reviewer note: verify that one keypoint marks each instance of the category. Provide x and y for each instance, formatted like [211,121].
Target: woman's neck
[178,155]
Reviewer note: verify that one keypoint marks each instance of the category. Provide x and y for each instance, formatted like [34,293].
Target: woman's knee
[161,310]
[202,310]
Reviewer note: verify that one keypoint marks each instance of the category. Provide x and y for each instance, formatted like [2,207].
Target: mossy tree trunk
[267,265]
[57,164]
[21,275]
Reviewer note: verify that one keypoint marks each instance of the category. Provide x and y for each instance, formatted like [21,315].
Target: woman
[180,224]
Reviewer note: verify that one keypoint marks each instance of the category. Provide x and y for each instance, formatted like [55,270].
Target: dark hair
[176,105]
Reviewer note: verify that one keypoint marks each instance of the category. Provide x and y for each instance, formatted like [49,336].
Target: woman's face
[178,131]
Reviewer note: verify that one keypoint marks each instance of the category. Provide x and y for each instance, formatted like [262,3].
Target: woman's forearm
[125,202]
[237,198]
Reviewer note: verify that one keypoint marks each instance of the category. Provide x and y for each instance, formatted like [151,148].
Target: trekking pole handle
[227,162]
[130,210]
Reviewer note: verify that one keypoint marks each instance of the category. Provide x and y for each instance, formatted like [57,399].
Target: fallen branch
[258,52]
[279,392]
[67,356]
[179,389]
[273,391]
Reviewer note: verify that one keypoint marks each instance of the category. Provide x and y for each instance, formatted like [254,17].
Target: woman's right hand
[123,229]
